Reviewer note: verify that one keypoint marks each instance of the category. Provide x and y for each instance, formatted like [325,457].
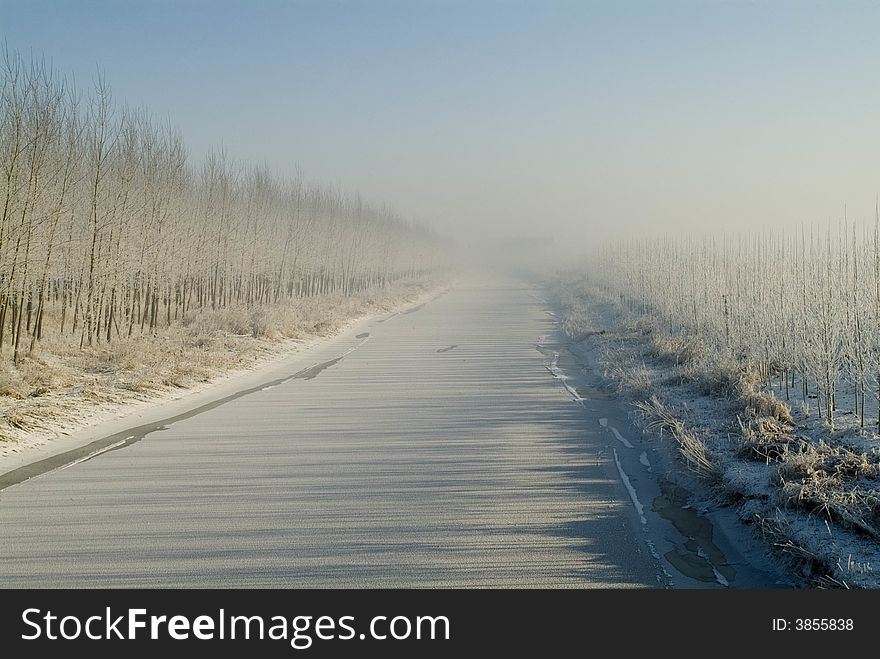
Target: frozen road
[438,451]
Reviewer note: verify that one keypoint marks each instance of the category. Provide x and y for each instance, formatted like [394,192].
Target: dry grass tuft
[719,376]
[758,403]
[659,419]
[711,376]
[777,532]
[764,438]
[634,379]
[825,461]
[834,481]
[676,348]
[629,375]
[12,384]
[643,325]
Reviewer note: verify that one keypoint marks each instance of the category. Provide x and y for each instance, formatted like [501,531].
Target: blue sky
[590,118]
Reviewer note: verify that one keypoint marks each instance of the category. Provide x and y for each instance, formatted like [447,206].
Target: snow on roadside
[640,509]
[556,372]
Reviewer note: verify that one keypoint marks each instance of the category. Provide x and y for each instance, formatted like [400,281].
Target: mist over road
[429,448]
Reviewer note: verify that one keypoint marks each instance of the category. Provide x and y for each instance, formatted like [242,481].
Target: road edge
[138,419]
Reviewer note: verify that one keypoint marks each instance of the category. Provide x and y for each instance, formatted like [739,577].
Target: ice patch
[663,575]
[92,455]
[573,392]
[623,440]
[643,458]
[640,509]
[353,348]
[557,374]
[718,576]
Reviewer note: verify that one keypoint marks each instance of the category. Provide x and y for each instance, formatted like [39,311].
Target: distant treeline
[106,229]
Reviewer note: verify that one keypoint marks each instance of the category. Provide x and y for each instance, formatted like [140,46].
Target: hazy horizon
[581,120]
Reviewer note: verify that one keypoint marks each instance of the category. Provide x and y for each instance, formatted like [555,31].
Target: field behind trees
[125,266]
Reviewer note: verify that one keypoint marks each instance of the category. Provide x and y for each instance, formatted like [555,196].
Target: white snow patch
[573,392]
[557,374]
[640,509]
[663,575]
[623,440]
[720,578]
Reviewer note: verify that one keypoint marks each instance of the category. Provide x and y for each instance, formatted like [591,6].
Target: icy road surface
[426,448]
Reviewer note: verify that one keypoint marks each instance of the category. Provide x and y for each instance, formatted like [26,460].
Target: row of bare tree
[107,230]
[802,307]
